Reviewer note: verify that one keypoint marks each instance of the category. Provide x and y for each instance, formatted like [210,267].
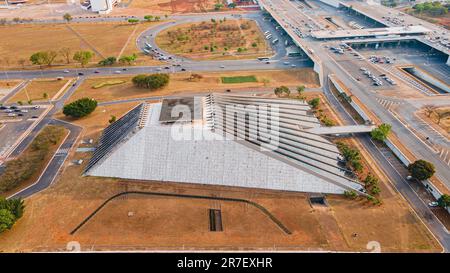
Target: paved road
[55,164]
[16,89]
[49,174]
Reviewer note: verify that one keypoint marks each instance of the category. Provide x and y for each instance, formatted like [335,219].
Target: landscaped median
[25,169]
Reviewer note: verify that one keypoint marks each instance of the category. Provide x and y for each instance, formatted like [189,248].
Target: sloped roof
[147,149]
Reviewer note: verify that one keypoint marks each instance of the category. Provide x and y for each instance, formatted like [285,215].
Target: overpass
[341,130]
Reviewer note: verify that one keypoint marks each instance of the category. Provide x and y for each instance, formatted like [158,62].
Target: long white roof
[301,161]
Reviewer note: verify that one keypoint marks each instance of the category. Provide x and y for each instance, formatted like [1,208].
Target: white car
[222,66]
[433,204]
[118,72]
[66,71]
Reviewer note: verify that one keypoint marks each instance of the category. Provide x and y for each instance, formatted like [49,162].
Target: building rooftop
[369,32]
[239,141]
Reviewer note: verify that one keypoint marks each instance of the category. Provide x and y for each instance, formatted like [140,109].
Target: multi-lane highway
[293,20]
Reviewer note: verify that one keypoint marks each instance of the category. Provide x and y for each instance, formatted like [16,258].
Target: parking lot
[15,123]
[431,62]
[360,67]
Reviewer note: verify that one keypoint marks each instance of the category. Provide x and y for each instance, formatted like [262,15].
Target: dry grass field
[175,6]
[230,39]
[137,222]
[19,42]
[180,83]
[7,85]
[443,125]
[35,90]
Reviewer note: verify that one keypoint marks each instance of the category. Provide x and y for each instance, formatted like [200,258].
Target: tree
[429,109]
[22,62]
[7,220]
[128,59]
[282,90]
[421,169]
[112,119]
[157,18]
[50,57]
[314,103]
[149,18]
[83,57]
[13,205]
[381,132]
[133,21]
[108,61]
[65,52]
[80,108]
[444,201]
[67,17]
[45,96]
[441,115]
[38,58]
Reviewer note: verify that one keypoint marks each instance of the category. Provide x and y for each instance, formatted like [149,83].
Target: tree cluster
[153,81]
[10,211]
[80,108]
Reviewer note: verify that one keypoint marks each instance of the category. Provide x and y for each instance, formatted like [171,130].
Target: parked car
[433,204]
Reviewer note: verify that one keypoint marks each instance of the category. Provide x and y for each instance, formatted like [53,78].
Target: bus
[148,45]
[275,41]
[269,36]
[266,33]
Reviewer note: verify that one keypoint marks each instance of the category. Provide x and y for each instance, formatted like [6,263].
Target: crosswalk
[62,151]
[395,71]
[388,104]
[435,134]
[444,154]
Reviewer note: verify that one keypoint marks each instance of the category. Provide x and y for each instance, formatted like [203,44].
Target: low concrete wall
[355,106]
[427,77]
[428,185]
[333,3]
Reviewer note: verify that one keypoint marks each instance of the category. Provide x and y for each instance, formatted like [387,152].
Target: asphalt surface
[291,18]
[329,66]
[55,164]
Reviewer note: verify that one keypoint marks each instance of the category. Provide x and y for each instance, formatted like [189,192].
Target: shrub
[444,201]
[314,103]
[80,108]
[108,61]
[351,156]
[282,90]
[350,194]
[381,132]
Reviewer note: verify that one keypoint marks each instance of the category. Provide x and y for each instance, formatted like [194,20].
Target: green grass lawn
[239,79]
